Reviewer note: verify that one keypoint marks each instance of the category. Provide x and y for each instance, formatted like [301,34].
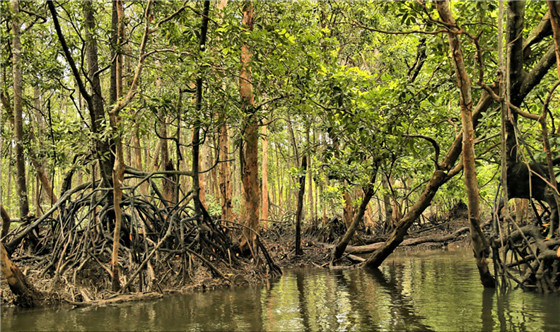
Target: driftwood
[118,299]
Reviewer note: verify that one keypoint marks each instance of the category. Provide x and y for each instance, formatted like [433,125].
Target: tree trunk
[25,294]
[343,243]
[225,171]
[18,110]
[264,172]
[348,210]
[441,175]
[198,190]
[42,176]
[479,242]
[554,10]
[311,215]
[224,167]
[514,72]
[96,110]
[249,162]
[389,221]
[6,221]
[299,209]
[116,123]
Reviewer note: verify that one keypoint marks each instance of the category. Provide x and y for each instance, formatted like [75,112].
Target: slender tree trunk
[164,160]
[311,216]
[389,222]
[6,221]
[198,190]
[264,172]
[42,176]
[18,110]
[348,210]
[343,243]
[479,242]
[224,167]
[225,172]
[118,169]
[97,113]
[279,181]
[116,124]
[249,163]
[137,148]
[299,209]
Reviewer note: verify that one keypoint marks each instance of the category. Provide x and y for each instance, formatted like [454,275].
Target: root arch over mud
[524,258]
[162,243]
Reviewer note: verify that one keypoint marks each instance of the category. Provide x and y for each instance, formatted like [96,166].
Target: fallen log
[408,242]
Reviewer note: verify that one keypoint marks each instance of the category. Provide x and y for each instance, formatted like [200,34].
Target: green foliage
[342,72]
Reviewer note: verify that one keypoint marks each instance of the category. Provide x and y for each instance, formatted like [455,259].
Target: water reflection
[431,291]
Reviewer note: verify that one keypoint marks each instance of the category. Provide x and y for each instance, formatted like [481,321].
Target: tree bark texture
[224,168]
[479,242]
[6,221]
[299,209]
[96,109]
[514,72]
[116,123]
[197,188]
[264,174]
[343,243]
[18,110]
[249,162]
[25,294]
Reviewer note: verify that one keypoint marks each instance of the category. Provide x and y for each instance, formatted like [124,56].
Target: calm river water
[435,290]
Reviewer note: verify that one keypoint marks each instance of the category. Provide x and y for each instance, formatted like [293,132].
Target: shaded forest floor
[92,284]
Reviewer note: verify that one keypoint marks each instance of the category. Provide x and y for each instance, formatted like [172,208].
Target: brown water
[436,290]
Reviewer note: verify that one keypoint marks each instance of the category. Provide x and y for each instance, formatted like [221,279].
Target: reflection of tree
[401,309]
[486,315]
[359,307]
[302,300]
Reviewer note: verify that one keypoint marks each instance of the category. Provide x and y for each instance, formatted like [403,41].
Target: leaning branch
[68,56]
[434,144]
[132,91]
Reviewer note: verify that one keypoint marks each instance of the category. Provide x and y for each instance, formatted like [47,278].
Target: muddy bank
[91,285]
